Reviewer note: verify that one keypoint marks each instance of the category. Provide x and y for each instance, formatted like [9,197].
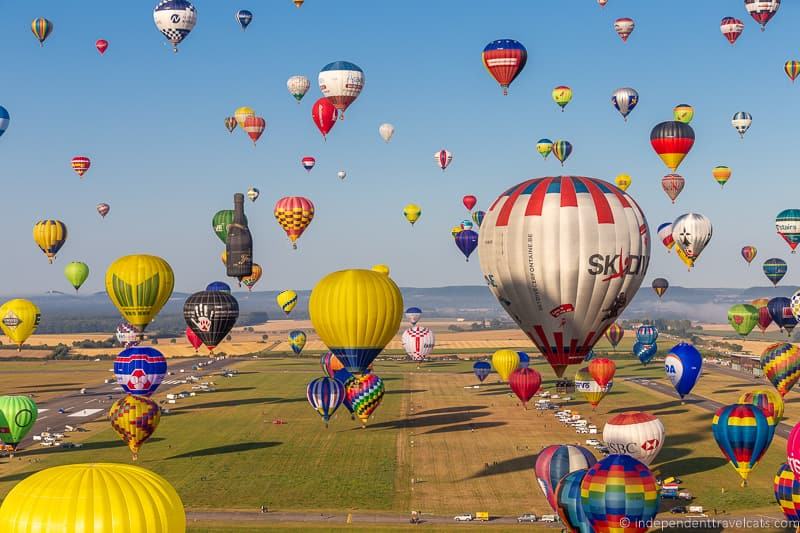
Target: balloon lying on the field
[140,370]
[683,366]
[564,306]
[743,435]
[482,369]
[525,382]
[640,435]
[135,419]
[568,502]
[645,352]
[325,395]
[556,461]
[17,416]
[505,362]
[780,363]
[591,390]
[123,498]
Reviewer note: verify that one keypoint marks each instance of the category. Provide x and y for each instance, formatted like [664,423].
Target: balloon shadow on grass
[655,406]
[458,409]
[228,448]
[465,427]
[235,403]
[517,464]
[693,465]
[433,420]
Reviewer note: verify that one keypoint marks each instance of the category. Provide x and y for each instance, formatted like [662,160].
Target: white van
[548,518]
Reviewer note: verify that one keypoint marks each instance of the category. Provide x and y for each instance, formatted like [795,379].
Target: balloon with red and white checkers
[140,370]
[762,11]
[504,59]
[308,162]
[418,342]
[325,395]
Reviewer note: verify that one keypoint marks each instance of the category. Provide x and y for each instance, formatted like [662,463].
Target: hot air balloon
[324,115]
[787,224]
[504,59]
[768,401]
[562,150]
[780,363]
[218,286]
[762,10]
[614,334]
[683,366]
[418,342]
[140,370]
[308,162]
[254,127]
[743,318]
[297,341]
[544,147]
[298,3]
[230,124]
[124,498]
[683,113]
[220,222]
[298,87]
[211,315]
[764,318]
[780,309]
[135,419]
[721,174]
[325,395]
[242,113]
[341,174]
[607,259]
[5,119]
[645,352]
[647,334]
[743,435]
[793,450]
[127,335]
[692,233]
[524,360]
[731,28]
[602,3]
[477,217]
[602,370]
[386,131]
[792,69]
[101,45]
[787,493]
[624,27]
[455,230]
[467,241]
[749,253]
[774,268]
[356,313]
[175,19]
[640,435]
[589,356]
[624,100]
[591,390]
[253,194]
[619,494]
[330,365]
[251,280]
[80,164]
[244,17]
[19,319]
[562,95]
[287,300]
[17,416]
[41,28]
[469,201]
[665,234]
[341,82]
[139,286]
[50,236]
[364,393]
[568,493]
[741,121]
[482,369]
[505,362]
[103,209]
[76,273]
[412,212]
[672,141]
[466,224]
[660,286]
[294,214]
[556,461]
[623,181]
[413,315]
[525,382]
[443,158]
[193,339]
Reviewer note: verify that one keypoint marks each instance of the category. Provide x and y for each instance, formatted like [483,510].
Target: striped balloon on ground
[325,395]
[787,492]
[364,393]
[568,503]
[780,363]
[555,462]
[743,435]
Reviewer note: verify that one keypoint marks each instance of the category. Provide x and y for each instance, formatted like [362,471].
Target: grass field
[49,379]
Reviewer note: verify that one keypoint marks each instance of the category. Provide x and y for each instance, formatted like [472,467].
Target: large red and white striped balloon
[418,342]
[254,126]
[640,435]
[564,256]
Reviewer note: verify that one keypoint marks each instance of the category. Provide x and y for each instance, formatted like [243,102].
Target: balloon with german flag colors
[672,140]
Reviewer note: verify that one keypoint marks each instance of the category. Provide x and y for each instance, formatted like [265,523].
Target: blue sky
[152,122]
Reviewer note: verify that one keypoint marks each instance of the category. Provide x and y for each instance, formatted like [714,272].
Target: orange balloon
[602,370]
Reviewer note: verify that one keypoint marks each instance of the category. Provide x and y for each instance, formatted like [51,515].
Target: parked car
[463,518]
[678,509]
[592,442]
[549,518]
[526,518]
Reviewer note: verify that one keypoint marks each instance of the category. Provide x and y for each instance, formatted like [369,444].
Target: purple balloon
[466,241]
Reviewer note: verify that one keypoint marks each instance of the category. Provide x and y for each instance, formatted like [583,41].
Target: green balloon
[743,318]
[17,415]
[76,273]
[221,221]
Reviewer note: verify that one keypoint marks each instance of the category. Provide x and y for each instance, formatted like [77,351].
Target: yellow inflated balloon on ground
[139,286]
[356,313]
[93,498]
[505,362]
[19,319]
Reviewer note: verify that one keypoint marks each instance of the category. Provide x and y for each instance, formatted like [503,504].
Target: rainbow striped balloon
[619,494]
[325,395]
[743,435]
[364,393]
[787,492]
[781,364]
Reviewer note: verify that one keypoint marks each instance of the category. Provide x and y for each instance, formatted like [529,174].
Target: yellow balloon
[252,279]
[139,286]
[455,230]
[135,419]
[688,261]
[356,313]
[242,113]
[505,362]
[50,236]
[383,269]
[412,212]
[83,498]
[562,96]
[224,257]
[19,319]
[623,181]
[287,300]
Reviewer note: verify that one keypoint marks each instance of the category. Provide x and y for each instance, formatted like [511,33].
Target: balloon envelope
[683,366]
[505,362]
[17,416]
[139,286]
[780,363]
[19,319]
[743,435]
[140,370]
[640,435]
[211,315]
[525,382]
[482,369]
[556,461]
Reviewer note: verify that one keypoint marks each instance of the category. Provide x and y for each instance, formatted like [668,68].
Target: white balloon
[691,233]
[298,86]
[640,435]
[741,121]
[418,342]
[175,19]
[341,82]
[386,130]
[443,158]
[564,256]
[341,174]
